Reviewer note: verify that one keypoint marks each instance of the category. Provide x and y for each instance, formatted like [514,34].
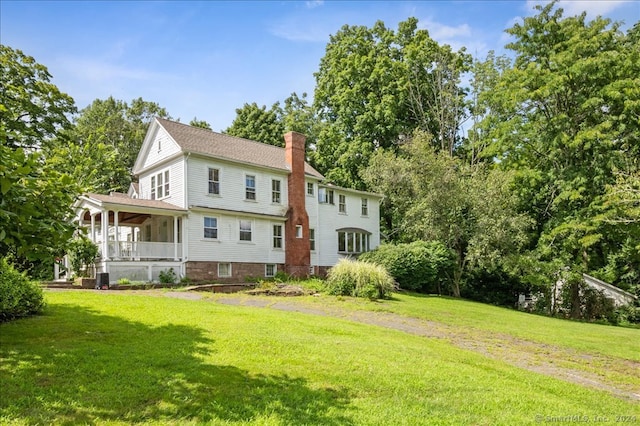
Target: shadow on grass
[86,367]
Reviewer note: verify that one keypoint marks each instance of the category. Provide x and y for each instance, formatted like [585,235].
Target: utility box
[102,281]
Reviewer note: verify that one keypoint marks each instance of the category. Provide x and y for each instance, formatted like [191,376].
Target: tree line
[523,166]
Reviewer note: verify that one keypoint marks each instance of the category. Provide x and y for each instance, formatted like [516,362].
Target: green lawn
[116,358]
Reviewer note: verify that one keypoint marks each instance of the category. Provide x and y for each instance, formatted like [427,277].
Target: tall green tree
[565,117]
[199,123]
[472,210]
[375,86]
[106,140]
[32,109]
[35,195]
[269,126]
[258,124]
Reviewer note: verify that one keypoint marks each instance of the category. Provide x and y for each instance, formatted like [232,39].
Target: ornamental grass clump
[359,279]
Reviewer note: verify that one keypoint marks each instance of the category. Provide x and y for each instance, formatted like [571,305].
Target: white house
[220,208]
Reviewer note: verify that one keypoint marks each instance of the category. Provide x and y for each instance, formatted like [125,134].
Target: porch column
[117,234]
[104,217]
[93,227]
[175,238]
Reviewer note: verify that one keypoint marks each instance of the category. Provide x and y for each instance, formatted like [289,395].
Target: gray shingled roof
[203,141]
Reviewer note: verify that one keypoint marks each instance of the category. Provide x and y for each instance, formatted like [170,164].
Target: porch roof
[139,209]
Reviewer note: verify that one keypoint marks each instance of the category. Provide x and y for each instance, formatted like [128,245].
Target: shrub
[359,279]
[168,276]
[82,254]
[420,265]
[19,297]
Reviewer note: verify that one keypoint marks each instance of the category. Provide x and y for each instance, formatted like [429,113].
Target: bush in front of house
[420,265]
[82,255]
[19,297]
[359,279]
[168,276]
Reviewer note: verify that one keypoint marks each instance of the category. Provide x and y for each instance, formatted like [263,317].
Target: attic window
[160,185]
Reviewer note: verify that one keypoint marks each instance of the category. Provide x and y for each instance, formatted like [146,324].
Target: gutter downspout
[185,219]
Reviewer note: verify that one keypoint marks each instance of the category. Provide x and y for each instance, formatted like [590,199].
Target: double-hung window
[310,188]
[214,181]
[275,191]
[211,227]
[245,230]
[342,204]
[160,185]
[365,207]
[325,195]
[312,239]
[277,236]
[250,187]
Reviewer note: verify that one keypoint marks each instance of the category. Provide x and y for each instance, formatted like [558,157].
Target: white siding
[311,204]
[329,221]
[228,247]
[162,147]
[232,187]
[176,182]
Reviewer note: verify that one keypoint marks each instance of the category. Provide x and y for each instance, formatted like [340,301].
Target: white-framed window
[250,187]
[298,231]
[275,191]
[353,242]
[342,204]
[160,185]
[312,239]
[224,270]
[277,237]
[211,227]
[270,270]
[310,189]
[325,196]
[245,230]
[214,181]
[365,207]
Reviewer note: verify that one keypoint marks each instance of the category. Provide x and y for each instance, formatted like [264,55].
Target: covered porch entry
[136,239]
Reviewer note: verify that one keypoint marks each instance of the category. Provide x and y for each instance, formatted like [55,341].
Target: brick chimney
[297,249]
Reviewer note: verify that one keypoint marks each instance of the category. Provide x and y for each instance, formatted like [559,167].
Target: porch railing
[136,250]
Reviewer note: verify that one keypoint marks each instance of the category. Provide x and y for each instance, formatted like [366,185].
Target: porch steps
[58,284]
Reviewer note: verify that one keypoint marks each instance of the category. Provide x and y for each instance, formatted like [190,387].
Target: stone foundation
[240,272]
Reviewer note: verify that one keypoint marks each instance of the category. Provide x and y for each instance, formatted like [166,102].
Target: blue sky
[205,59]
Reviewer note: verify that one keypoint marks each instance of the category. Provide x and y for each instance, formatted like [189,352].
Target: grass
[621,342]
[118,359]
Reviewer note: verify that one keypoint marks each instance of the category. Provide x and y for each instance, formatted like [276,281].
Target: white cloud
[314,3]
[576,7]
[443,33]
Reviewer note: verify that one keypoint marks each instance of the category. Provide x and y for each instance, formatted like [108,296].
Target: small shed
[618,295]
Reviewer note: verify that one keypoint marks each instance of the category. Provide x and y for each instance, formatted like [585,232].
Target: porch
[146,271]
[143,250]
[136,239]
